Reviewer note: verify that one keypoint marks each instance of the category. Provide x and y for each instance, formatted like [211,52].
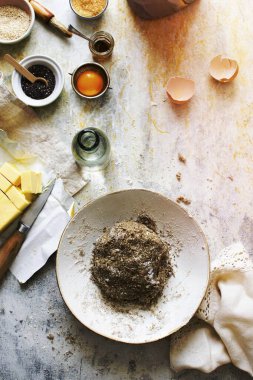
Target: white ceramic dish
[183,292]
[26,6]
[38,60]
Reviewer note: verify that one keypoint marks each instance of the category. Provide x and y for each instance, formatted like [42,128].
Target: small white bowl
[38,60]
[26,6]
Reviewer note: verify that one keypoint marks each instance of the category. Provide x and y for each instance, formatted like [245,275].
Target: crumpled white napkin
[43,239]
[223,332]
[45,235]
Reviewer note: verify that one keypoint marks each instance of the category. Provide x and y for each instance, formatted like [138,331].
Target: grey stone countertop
[39,338]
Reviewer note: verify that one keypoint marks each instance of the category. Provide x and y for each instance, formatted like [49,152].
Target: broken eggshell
[223,69]
[180,90]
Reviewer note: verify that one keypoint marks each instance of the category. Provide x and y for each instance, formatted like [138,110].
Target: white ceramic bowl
[38,60]
[26,6]
[183,292]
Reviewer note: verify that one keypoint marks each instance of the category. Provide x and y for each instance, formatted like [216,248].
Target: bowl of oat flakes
[16,20]
[89,9]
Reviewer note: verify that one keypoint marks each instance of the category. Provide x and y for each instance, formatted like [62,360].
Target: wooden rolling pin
[48,17]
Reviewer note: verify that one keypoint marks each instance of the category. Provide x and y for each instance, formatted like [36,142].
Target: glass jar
[101,45]
[91,149]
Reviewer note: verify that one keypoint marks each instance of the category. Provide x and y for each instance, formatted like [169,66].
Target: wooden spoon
[23,71]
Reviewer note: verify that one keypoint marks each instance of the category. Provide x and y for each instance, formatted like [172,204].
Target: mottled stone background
[39,339]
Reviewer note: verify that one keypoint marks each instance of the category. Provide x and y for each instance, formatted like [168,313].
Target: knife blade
[32,213]
[12,245]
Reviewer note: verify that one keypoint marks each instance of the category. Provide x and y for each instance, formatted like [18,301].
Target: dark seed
[39,90]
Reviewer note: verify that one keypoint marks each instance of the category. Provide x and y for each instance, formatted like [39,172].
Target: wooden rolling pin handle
[60,27]
[9,251]
[48,17]
[41,11]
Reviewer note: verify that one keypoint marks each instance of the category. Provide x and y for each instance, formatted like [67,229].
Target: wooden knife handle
[41,11]
[9,250]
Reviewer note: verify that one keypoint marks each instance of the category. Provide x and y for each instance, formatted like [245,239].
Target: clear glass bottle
[91,149]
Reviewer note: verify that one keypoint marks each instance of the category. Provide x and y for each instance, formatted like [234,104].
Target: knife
[12,245]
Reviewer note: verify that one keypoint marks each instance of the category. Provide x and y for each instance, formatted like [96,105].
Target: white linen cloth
[222,331]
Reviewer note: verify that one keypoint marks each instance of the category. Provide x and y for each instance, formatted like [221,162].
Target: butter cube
[2,195]
[4,183]
[31,182]
[10,173]
[8,212]
[17,198]
[29,197]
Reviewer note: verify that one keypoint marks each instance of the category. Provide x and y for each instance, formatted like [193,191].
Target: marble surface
[39,338]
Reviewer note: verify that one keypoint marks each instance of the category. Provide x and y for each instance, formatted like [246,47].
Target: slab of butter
[31,182]
[17,198]
[29,197]
[4,184]
[10,173]
[8,212]
[1,194]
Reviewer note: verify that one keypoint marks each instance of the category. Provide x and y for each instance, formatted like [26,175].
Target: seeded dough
[131,264]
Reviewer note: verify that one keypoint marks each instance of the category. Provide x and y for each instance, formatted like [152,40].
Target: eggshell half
[180,90]
[223,69]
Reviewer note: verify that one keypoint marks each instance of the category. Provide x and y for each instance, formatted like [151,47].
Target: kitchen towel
[222,330]
[23,125]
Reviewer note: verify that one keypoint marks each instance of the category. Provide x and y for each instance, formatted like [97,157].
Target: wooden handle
[9,251]
[41,11]
[60,27]
[47,16]
[8,58]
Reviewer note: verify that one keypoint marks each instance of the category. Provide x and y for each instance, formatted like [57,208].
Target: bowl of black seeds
[39,94]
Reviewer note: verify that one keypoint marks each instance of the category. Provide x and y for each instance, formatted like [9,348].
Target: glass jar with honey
[101,45]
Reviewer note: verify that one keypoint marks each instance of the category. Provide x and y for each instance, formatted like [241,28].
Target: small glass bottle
[91,149]
[101,45]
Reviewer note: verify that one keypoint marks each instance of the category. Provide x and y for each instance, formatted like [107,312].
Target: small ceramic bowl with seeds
[89,11]
[39,94]
[16,20]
